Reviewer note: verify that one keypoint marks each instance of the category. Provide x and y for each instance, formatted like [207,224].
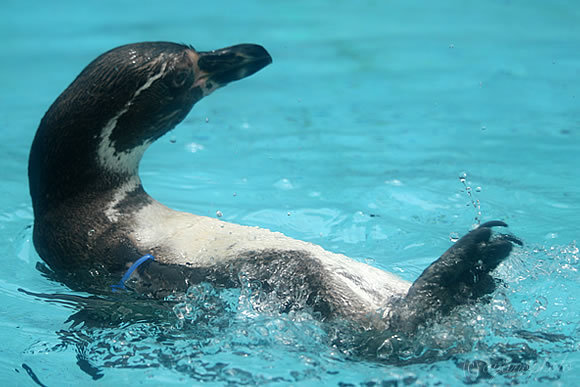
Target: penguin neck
[81,170]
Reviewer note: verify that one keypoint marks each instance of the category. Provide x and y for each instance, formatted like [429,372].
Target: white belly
[204,242]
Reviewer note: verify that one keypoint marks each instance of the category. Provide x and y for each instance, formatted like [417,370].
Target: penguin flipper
[460,275]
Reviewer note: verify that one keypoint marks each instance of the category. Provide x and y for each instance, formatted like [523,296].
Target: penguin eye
[180,78]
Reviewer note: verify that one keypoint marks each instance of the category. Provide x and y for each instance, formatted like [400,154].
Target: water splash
[473,200]
[524,332]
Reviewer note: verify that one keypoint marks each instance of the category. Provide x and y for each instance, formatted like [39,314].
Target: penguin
[94,221]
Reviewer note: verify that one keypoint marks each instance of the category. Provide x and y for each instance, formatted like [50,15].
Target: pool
[381,131]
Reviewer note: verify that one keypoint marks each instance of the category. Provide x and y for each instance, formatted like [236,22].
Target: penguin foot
[460,275]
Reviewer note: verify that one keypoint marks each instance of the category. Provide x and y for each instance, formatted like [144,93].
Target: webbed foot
[461,274]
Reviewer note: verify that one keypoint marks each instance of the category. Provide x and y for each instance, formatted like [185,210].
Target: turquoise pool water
[354,139]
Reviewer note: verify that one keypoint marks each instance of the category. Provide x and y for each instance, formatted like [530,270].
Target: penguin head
[154,85]
[96,131]
[130,96]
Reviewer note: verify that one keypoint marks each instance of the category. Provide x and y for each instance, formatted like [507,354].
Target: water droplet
[284,184]
[193,147]
[235,194]
[454,237]
[395,182]
[451,45]
[206,120]
[483,127]
[288,213]
[478,189]
[462,177]
[541,304]
[219,214]
[91,232]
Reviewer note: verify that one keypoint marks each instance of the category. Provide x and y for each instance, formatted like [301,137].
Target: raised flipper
[461,274]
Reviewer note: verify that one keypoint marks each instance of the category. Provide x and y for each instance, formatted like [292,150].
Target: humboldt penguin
[94,221]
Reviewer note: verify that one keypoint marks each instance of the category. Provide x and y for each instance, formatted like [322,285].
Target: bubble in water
[462,177]
[454,237]
[477,189]
[219,214]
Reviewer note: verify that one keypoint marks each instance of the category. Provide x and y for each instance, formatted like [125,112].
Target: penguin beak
[219,67]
